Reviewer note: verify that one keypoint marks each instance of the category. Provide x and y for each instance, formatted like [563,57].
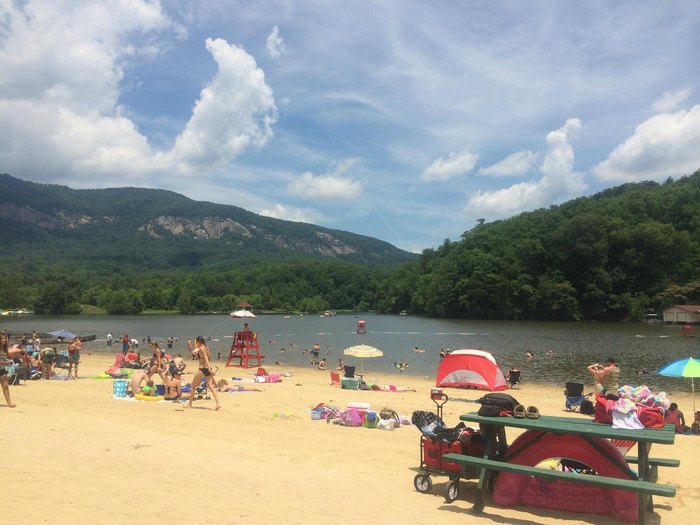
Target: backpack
[495,403]
[587,407]
[420,418]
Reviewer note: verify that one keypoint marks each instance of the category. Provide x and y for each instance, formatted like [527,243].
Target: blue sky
[406,121]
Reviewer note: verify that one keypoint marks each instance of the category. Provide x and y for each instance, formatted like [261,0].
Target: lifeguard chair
[246,349]
[361,327]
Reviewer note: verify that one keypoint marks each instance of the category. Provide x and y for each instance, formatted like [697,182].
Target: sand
[71,453]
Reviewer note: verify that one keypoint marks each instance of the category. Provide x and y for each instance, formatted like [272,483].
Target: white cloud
[670,100]
[325,187]
[665,145]
[514,165]
[455,164]
[235,111]
[62,66]
[279,211]
[558,182]
[274,43]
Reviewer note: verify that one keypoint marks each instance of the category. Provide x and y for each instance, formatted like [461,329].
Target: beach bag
[650,417]
[603,410]
[386,424]
[427,422]
[587,407]
[495,403]
[388,413]
[371,419]
[351,418]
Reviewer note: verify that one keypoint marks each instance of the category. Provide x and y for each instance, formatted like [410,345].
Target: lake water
[575,345]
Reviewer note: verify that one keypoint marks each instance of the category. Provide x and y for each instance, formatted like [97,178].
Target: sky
[408,121]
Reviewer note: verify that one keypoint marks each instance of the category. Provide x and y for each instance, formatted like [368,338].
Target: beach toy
[141,397]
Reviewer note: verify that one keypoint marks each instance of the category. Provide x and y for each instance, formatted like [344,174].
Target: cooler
[349,383]
[119,388]
[361,408]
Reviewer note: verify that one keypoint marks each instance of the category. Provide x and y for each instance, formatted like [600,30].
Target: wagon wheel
[423,483]
[451,491]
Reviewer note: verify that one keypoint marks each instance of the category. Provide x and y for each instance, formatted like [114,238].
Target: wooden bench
[632,485]
[654,464]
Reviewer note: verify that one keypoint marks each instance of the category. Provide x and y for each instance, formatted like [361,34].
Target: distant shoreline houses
[682,314]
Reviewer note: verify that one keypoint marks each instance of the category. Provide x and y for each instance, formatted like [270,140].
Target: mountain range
[163,229]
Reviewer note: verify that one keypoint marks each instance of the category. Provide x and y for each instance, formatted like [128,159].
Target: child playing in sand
[149,389]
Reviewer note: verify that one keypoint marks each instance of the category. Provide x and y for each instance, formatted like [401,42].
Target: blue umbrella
[688,367]
[63,334]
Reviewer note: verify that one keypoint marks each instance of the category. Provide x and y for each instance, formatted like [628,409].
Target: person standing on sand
[205,371]
[74,350]
[4,361]
[611,377]
[125,343]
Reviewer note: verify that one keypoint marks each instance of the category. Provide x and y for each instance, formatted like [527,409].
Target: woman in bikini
[5,361]
[157,362]
[205,372]
[173,386]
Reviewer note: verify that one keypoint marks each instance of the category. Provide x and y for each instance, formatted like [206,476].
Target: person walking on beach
[4,361]
[125,343]
[205,372]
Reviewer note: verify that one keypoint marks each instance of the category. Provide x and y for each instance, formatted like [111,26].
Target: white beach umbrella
[363,351]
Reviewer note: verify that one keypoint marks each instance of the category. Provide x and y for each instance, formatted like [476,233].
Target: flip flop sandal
[532,412]
[519,411]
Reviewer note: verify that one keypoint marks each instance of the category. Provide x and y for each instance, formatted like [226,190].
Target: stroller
[575,396]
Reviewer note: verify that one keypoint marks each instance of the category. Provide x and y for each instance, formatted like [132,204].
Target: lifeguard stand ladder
[245,347]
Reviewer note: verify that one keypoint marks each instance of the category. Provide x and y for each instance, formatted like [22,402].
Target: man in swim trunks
[74,357]
[47,356]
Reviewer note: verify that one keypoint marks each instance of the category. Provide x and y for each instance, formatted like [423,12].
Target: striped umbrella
[688,367]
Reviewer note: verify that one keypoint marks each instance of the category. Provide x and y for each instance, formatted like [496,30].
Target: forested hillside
[158,229]
[613,256]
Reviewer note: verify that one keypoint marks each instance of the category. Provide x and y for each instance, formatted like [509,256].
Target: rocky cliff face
[47,220]
[205,228]
[208,228]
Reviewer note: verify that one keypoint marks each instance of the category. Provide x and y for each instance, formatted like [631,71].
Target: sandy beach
[71,453]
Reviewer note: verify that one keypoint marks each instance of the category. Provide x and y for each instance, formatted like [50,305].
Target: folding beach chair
[513,378]
[349,372]
[574,396]
[335,378]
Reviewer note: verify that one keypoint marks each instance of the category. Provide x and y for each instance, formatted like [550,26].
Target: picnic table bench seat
[632,485]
